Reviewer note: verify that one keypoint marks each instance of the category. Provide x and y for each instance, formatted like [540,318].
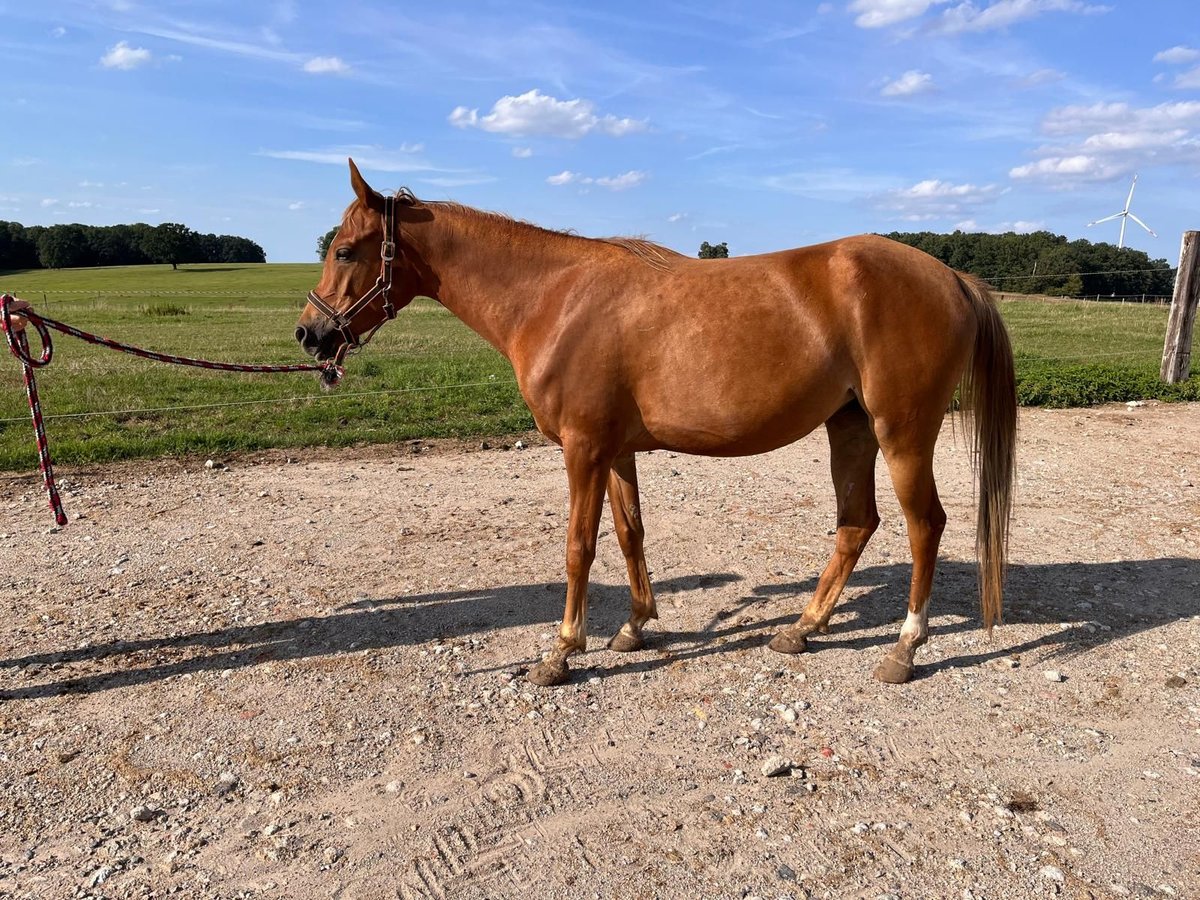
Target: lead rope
[331,372]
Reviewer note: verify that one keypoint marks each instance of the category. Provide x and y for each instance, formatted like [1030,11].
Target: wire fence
[341,395]
[415,353]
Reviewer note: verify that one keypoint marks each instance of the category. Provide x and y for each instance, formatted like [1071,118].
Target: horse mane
[652,254]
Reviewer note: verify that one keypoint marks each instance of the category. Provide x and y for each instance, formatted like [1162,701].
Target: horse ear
[364,191]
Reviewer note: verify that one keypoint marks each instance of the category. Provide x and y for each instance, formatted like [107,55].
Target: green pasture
[425,375]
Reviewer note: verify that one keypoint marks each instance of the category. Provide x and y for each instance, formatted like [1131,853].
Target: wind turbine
[1124,215]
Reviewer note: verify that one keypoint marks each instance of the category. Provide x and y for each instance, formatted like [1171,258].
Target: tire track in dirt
[534,796]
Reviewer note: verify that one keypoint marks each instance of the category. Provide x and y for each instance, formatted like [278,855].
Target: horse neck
[492,273]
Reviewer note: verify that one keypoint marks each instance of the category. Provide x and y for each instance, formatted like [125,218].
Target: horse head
[371,272]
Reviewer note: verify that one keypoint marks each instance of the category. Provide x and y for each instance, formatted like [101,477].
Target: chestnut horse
[621,346]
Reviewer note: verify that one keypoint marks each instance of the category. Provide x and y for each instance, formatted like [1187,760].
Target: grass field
[425,375]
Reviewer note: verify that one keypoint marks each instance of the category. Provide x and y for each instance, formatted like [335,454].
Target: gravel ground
[301,676]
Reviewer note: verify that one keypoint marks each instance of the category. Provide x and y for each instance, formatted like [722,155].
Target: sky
[765,125]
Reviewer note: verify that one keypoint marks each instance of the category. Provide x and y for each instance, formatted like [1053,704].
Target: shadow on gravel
[1091,604]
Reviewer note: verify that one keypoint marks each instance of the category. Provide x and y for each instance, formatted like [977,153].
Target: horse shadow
[1092,604]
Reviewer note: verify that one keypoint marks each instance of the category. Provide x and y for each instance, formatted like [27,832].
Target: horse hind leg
[853,451]
[627,521]
[912,476]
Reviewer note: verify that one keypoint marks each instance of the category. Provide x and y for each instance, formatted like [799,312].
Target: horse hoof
[788,643]
[623,642]
[891,671]
[549,672]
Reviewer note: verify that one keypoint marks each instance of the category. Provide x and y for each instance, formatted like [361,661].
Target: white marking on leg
[916,628]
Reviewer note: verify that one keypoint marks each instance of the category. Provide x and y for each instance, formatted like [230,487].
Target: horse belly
[751,407]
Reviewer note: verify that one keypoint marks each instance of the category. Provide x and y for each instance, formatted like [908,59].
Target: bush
[1060,385]
[165,309]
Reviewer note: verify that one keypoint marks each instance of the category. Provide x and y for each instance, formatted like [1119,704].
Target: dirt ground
[301,676]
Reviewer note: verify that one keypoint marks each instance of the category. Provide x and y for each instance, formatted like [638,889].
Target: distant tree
[115,245]
[63,247]
[1046,263]
[235,249]
[714,251]
[325,240]
[18,249]
[171,243]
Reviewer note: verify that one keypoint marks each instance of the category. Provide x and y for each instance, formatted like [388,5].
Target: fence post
[1177,349]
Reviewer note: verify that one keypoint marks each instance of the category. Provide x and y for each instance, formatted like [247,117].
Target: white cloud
[911,82]
[49,201]
[1020,227]
[522,152]
[676,217]
[454,181]
[404,158]
[1178,55]
[1079,167]
[621,182]
[123,56]
[1121,116]
[934,199]
[91,184]
[299,204]
[58,32]
[326,65]
[878,13]
[80,204]
[1003,13]
[240,48]
[1042,76]
[1188,80]
[1133,140]
[535,113]
[1108,140]
[964,16]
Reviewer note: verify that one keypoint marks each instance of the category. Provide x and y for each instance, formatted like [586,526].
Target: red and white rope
[18,344]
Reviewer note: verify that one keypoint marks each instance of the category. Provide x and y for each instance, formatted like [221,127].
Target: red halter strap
[343,321]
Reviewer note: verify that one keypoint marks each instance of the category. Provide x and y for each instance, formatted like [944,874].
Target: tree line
[81,246]
[1046,263]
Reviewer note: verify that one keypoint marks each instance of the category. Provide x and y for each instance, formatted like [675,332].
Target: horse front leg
[587,471]
[627,521]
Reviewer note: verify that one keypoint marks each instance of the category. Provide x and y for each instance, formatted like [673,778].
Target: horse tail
[989,388]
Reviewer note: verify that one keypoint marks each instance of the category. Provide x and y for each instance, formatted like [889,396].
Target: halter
[342,321]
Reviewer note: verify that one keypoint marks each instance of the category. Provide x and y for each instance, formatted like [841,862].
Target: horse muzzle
[319,341]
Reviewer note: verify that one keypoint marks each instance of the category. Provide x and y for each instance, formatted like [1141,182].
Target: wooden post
[1177,350]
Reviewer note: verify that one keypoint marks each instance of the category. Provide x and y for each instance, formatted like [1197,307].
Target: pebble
[1053,873]
[99,876]
[520,445]
[1053,675]
[226,783]
[143,814]
[776,765]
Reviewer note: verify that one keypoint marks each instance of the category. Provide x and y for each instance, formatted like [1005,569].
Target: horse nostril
[301,334]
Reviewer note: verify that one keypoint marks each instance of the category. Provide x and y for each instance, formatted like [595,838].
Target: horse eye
[343,254]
